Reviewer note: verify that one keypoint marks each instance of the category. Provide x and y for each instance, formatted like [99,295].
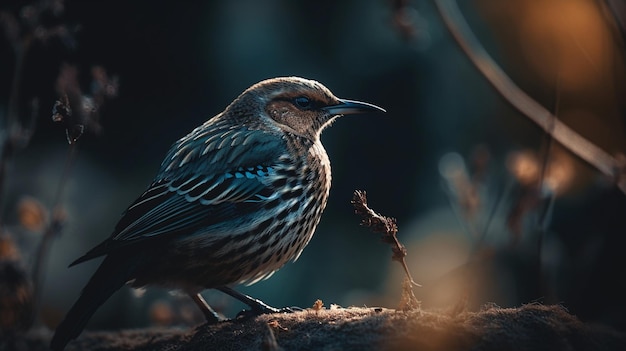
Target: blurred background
[454,163]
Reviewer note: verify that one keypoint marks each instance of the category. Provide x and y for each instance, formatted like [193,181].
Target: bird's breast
[253,245]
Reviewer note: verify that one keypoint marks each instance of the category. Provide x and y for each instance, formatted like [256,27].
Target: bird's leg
[257,306]
[209,313]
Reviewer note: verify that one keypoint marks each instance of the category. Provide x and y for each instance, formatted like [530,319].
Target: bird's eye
[303,103]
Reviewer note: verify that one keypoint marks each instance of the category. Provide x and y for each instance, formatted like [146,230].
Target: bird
[233,201]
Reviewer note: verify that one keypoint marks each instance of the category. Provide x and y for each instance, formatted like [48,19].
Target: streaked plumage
[233,201]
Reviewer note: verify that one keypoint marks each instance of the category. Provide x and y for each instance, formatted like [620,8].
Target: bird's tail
[110,277]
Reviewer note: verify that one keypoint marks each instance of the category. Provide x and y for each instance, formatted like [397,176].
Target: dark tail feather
[110,277]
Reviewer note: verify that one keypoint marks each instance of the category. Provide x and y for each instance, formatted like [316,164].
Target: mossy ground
[530,327]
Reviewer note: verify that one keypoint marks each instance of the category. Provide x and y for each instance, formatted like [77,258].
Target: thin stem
[503,190]
[465,224]
[546,210]
[384,225]
[52,231]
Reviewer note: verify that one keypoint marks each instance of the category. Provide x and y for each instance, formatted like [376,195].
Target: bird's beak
[347,107]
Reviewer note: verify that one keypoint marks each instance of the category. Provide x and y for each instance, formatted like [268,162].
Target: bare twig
[547,198]
[574,142]
[52,231]
[388,227]
[461,192]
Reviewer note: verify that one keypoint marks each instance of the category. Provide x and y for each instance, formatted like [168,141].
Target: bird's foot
[257,307]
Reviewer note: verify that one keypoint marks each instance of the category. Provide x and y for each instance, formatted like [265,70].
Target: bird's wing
[208,178]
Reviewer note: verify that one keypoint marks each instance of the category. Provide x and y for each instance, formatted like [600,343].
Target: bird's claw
[291,309]
[266,310]
[213,319]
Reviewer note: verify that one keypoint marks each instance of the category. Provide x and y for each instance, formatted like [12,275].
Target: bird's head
[300,106]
